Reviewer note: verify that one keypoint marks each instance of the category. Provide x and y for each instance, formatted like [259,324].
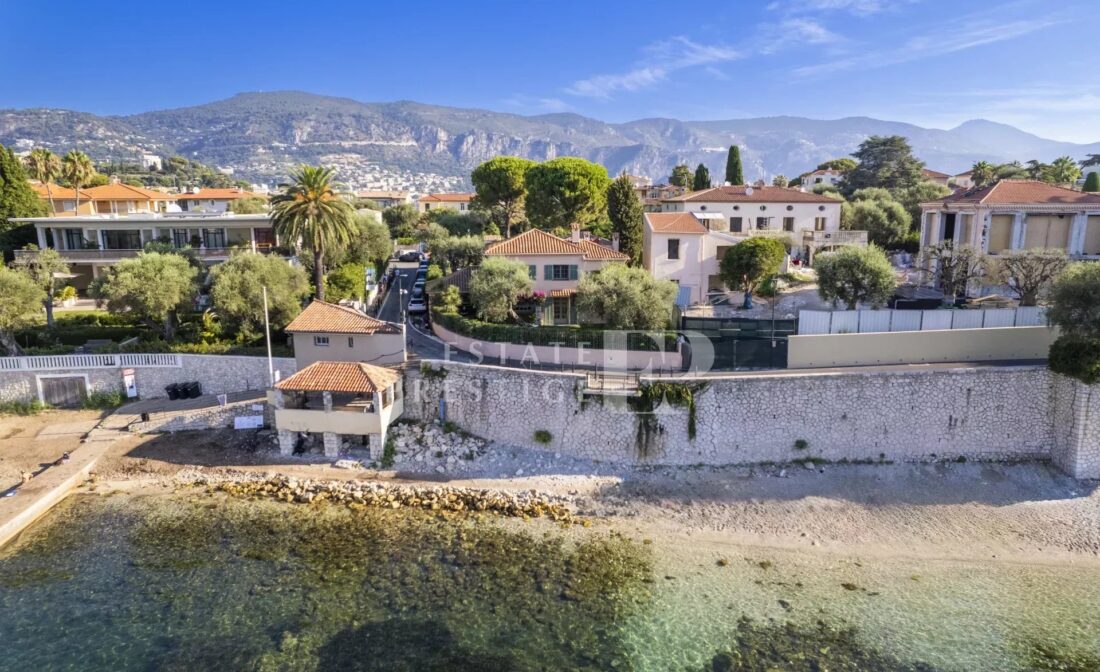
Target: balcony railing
[822,238]
[112,255]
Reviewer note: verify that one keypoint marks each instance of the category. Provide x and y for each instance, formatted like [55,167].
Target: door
[67,392]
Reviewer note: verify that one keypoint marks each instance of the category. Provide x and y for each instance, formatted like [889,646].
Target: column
[960,226]
[1076,243]
[1019,230]
[41,236]
[252,236]
[331,443]
[287,439]
[326,398]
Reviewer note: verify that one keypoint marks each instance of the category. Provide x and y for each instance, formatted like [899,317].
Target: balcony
[106,256]
[829,238]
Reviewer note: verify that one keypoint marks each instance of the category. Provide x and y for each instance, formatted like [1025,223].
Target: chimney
[575,232]
[615,241]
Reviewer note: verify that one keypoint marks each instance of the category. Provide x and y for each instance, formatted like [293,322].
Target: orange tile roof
[742,194]
[928,172]
[674,222]
[448,198]
[352,377]
[561,293]
[60,193]
[539,242]
[329,318]
[124,192]
[1021,192]
[227,194]
[460,279]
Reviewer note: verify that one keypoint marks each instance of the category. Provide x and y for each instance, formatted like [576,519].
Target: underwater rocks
[432,498]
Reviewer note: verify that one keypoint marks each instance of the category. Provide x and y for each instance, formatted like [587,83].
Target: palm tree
[1063,170]
[312,213]
[1091,160]
[983,174]
[44,166]
[77,168]
[1036,169]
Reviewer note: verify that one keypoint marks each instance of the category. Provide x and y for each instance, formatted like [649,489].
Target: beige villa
[556,266]
[329,332]
[1015,215]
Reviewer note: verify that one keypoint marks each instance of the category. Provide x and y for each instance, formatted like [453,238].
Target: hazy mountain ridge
[261,135]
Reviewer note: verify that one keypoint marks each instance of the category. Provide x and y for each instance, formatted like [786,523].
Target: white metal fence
[870,321]
[54,362]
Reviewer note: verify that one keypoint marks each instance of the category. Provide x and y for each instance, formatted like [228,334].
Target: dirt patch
[28,442]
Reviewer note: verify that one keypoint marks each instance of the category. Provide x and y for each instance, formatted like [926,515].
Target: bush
[567,337]
[1077,357]
[102,401]
[33,407]
[434,272]
[543,436]
[801,444]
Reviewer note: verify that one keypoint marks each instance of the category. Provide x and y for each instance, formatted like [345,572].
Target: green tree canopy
[1073,305]
[475,222]
[912,197]
[750,263]
[873,210]
[1092,182]
[1090,160]
[622,297]
[249,205]
[346,281]
[370,243]
[501,187]
[983,174]
[843,164]
[151,286]
[779,180]
[625,211]
[312,212]
[44,166]
[17,199]
[1063,170]
[735,175]
[78,171]
[43,268]
[1029,272]
[448,301]
[457,252]
[566,191]
[952,269]
[237,292]
[496,286]
[19,308]
[401,219]
[701,180]
[883,161]
[681,176]
[855,276]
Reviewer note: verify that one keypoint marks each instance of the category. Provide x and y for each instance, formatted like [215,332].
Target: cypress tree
[734,174]
[1092,182]
[624,209]
[702,178]
[17,199]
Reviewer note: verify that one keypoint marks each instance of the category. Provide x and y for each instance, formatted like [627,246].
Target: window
[320,341]
[531,271]
[559,272]
[561,309]
[427,206]
[122,240]
[788,223]
[817,180]
[673,248]
[735,224]
[180,238]
[351,342]
[213,238]
[819,223]
[763,222]
[74,239]
[68,205]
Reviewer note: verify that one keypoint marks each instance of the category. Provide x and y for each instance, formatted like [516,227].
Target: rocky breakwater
[358,494]
[431,446]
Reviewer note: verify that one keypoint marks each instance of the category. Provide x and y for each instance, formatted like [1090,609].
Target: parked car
[411,255]
[418,304]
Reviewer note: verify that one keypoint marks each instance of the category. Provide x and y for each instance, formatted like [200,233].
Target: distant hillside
[261,135]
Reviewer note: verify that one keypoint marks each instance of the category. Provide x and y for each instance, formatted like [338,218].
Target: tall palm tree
[1063,170]
[1035,169]
[983,174]
[44,166]
[77,168]
[311,212]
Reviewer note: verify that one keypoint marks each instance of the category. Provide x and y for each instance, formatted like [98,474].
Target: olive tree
[1074,309]
[854,276]
[626,298]
[496,286]
[45,268]
[237,288]
[1029,272]
[152,286]
[748,264]
[19,307]
[952,269]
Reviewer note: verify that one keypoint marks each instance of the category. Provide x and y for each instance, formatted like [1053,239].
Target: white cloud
[530,104]
[661,59]
[859,7]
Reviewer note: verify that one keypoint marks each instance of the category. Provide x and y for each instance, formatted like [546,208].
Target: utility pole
[267,336]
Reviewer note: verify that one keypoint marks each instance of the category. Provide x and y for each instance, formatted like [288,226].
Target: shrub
[543,436]
[801,444]
[33,407]
[103,400]
[1077,357]
[434,272]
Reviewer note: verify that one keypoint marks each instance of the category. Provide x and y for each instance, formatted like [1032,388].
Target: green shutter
[573,272]
[548,272]
[531,271]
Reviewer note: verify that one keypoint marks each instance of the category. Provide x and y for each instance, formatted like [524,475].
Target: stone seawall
[218,374]
[988,413]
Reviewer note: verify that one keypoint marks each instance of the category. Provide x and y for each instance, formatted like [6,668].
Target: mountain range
[413,145]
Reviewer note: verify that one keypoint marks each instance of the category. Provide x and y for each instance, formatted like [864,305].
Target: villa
[326,331]
[459,202]
[109,199]
[212,200]
[1013,215]
[828,177]
[556,266]
[385,199]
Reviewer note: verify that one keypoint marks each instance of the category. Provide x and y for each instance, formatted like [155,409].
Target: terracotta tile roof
[539,242]
[355,377]
[328,318]
[826,171]
[674,222]
[1022,192]
[749,194]
[928,172]
[447,198]
[60,193]
[217,195]
[460,279]
[124,192]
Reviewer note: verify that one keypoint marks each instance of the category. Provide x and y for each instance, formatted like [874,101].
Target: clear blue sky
[1031,63]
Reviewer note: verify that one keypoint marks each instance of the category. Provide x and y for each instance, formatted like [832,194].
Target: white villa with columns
[1014,215]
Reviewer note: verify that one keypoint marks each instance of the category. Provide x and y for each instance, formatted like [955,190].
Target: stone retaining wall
[212,417]
[991,413]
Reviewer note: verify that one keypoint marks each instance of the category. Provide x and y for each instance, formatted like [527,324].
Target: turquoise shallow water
[207,583]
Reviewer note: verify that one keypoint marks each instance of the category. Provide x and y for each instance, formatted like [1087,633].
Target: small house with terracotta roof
[556,266]
[678,246]
[460,202]
[212,200]
[935,176]
[1013,215]
[327,331]
[63,199]
[348,403]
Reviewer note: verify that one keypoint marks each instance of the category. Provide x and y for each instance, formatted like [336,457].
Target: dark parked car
[411,255]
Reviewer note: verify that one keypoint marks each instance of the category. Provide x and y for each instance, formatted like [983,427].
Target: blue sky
[931,62]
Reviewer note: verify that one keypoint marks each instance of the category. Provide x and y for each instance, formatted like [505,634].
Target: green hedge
[158,346]
[1077,357]
[569,337]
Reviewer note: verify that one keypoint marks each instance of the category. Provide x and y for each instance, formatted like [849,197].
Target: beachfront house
[326,331]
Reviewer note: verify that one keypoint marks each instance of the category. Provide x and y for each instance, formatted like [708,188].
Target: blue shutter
[573,272]
[548,272]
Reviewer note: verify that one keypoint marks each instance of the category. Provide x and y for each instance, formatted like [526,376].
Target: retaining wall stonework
[990,413]
[218,374]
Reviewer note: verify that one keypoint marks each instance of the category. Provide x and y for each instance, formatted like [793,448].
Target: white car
[417,304]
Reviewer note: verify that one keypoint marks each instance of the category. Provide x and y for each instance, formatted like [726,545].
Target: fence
[812,322]
[54,362]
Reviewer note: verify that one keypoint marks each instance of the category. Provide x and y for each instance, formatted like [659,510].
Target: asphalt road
[418,342]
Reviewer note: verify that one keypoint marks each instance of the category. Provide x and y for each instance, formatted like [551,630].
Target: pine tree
[702,178]
[1092,182]
[734,173]
[624,209]
[17,199]
[681,176]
